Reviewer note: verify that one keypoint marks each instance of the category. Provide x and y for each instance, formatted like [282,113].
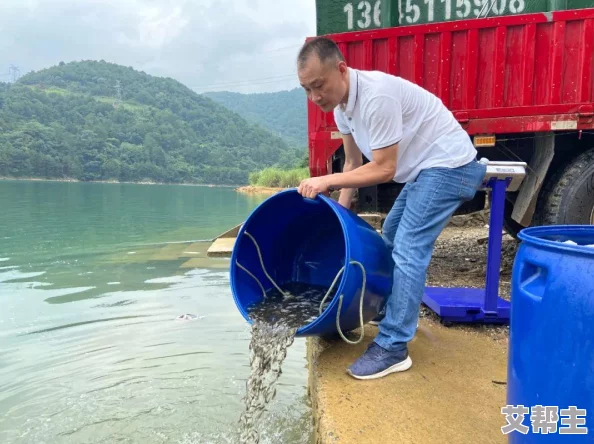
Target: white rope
[325,296]
[263,267]
[255,278]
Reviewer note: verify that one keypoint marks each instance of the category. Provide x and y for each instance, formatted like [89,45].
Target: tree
[161,131]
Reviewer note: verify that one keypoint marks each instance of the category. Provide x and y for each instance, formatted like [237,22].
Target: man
[408,136]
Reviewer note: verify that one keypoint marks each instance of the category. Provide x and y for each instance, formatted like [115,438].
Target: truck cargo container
[522,86]
[334,16]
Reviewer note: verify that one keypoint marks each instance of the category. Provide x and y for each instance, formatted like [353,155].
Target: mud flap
[536,172]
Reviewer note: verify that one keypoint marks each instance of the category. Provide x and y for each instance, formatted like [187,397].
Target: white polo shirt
[383,109]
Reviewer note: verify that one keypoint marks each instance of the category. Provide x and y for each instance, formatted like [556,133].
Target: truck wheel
[568,197]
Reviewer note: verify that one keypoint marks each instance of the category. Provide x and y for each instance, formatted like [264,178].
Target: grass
[277,178]
[56,90]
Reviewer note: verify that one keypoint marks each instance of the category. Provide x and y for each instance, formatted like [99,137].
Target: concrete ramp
[453,393]
[223,244]
[221,247]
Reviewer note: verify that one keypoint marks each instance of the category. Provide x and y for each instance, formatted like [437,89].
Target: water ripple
[180,354]
[78,324]
[123,381]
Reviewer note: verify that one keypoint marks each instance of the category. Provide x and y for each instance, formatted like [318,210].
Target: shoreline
[256,189]
[144,182]
[245,189]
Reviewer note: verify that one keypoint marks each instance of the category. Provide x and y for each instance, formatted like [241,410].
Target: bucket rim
[531,236]
[304,329]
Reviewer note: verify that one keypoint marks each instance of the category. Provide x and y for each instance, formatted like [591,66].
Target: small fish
[186,317]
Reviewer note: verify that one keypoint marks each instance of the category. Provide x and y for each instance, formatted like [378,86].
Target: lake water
[92,277]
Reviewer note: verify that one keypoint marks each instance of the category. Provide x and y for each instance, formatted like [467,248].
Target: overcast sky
[209,45]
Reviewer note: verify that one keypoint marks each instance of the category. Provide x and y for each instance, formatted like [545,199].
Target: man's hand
[313,186]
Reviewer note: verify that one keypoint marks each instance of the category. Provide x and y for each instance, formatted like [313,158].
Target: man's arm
[353,159]
[380,170]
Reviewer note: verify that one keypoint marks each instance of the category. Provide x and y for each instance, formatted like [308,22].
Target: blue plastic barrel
[551,344]
[309,241]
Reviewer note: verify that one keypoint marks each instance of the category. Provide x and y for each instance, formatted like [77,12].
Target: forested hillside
[100,121]
[284,113]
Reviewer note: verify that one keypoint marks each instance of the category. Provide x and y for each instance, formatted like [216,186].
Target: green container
[343,16]
[415,12]
[577,4]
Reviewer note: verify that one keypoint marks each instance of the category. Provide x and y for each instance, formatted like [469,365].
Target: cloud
[237,45]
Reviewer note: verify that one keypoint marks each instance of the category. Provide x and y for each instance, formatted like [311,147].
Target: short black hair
[323,47]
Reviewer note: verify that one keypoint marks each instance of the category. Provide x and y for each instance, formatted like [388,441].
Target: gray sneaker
[378,362]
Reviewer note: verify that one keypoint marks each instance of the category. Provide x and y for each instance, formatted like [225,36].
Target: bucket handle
[536,275]
[340,304]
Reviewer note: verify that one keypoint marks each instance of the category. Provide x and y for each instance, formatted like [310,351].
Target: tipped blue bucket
[309,241]
[551,344]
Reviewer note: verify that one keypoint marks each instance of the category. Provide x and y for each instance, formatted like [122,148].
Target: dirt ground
[457,385]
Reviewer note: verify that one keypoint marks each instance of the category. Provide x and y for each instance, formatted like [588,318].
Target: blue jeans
[421,211]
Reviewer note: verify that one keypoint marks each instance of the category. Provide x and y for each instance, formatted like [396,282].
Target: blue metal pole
[494,247]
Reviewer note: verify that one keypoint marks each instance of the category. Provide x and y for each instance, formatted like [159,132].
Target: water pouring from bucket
[302,267]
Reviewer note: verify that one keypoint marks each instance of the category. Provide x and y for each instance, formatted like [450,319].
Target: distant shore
[245,189]
[254,189]
[143,182]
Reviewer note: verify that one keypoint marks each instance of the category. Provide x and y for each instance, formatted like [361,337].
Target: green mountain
[284,113]
[99,121]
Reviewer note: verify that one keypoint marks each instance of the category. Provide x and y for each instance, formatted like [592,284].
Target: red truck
[522,87]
